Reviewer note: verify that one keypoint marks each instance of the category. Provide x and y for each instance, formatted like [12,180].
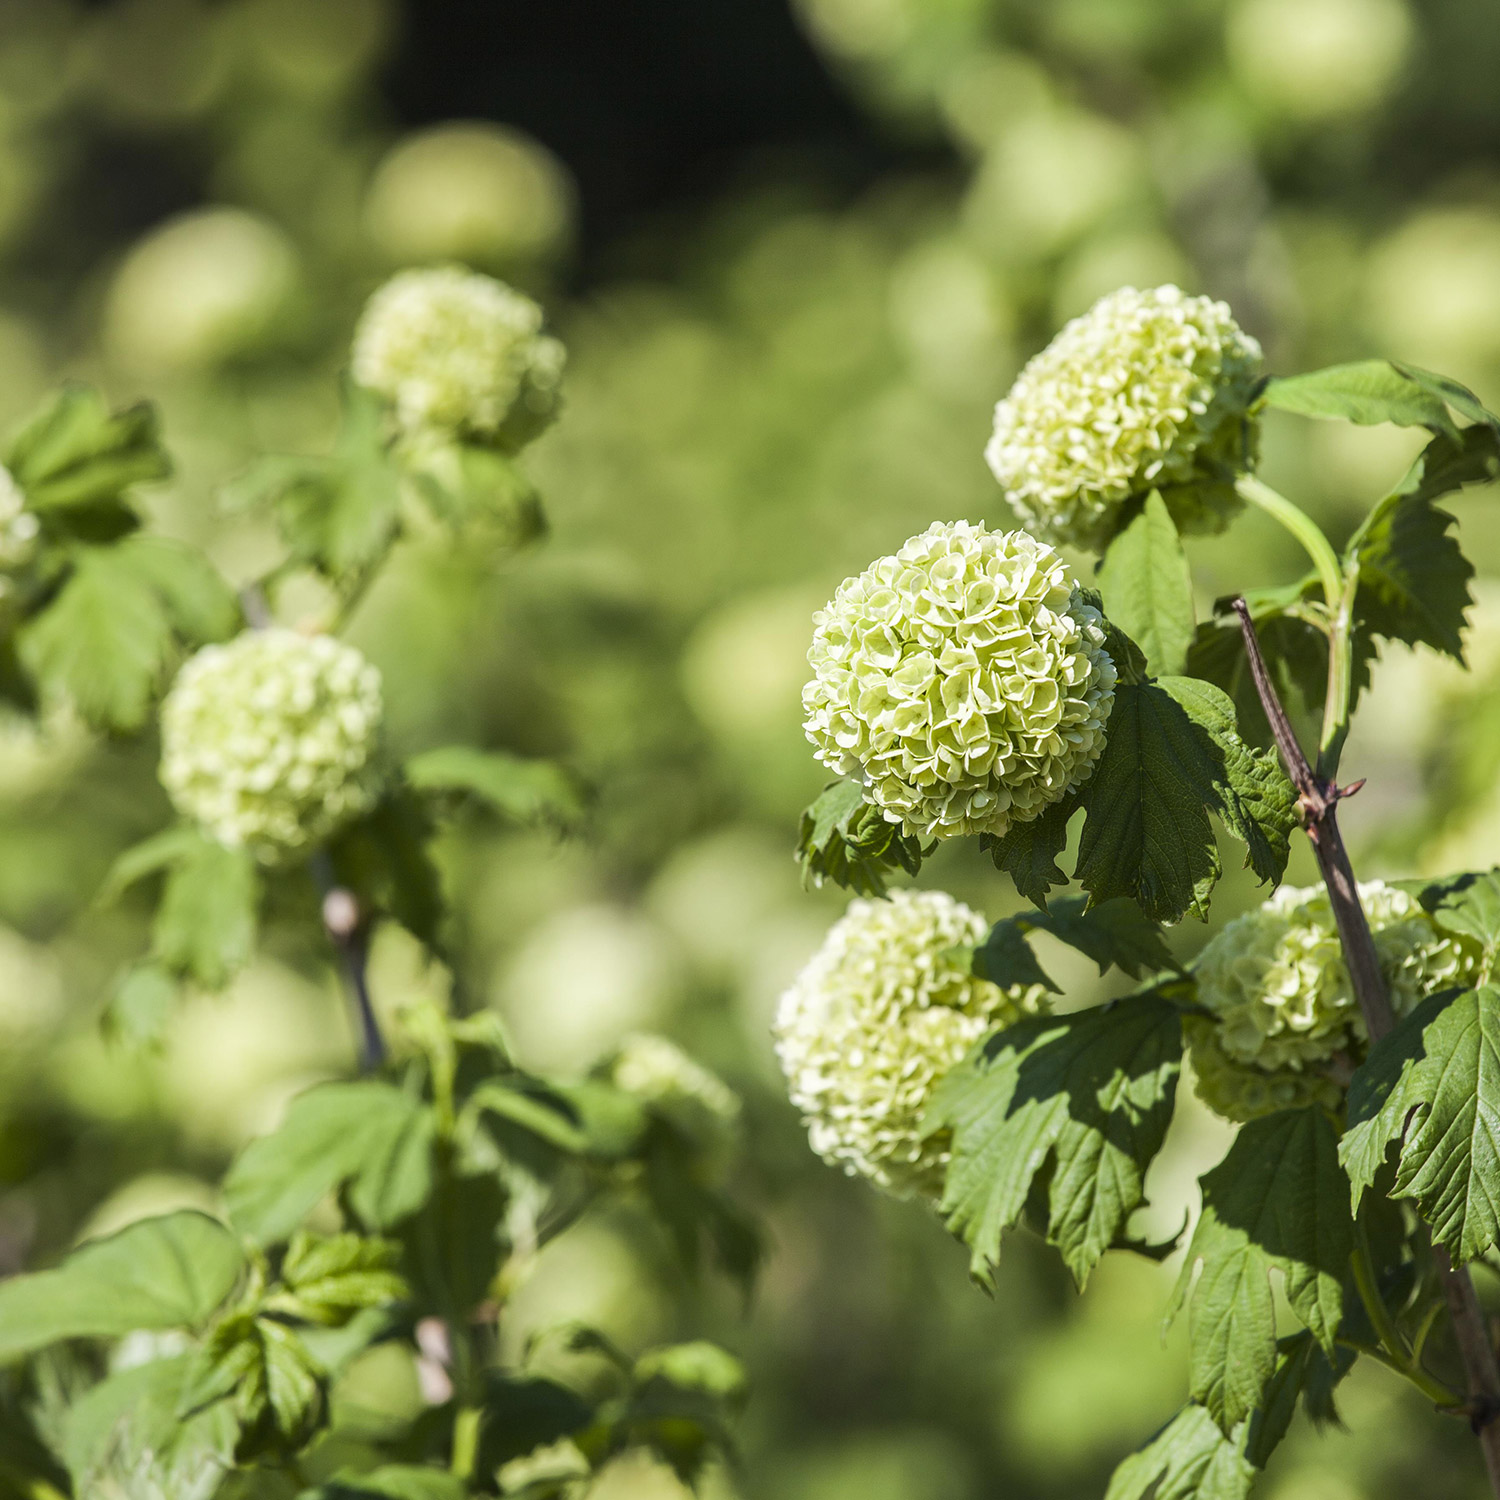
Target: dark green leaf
[1005,957]
[1369,391]
[1433,1086]
[367,1134]
[75,451]
[205,925]
[1274,1415]
[265,1371]
[384,859]
[1147,588]
[1276,1201]
[1469,906]
[843,839]
[1189,1459]
[1459,397]
[1147,835]
[168,1272]
[1111,933]
[528,791]
[1088,1096]
[523,1413]
[1028,852]
[455,1248]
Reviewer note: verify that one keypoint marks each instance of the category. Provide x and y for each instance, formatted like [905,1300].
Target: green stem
[465,1441]
[1434,1390]
[1340,677]
[1369,1294]
[1301,526]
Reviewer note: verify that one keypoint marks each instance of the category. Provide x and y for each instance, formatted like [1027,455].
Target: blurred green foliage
[762,396]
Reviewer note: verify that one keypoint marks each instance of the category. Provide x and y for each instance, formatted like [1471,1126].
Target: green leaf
[130,1425]
[1111,933]
[384,859]
[168,1272]
[1413,576]
[105,641]
[1433,1086]
[1028,852]
[339,514]
[546,1116]
[1459,397]
[844,839]
[151,856]
[1276,1201]
[1189,1459]
[1254,800]
[470,486]
[141,1006]
[1147,588]
[523,1413]
[1088,1096]
[367,1134]
[205,924]
[527,791]
[389,1482]
[1273,1417]
[1368,392]
[75,451]
[1469,906]
[326,1279]
[264,1369]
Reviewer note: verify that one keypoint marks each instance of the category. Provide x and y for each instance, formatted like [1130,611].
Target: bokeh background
[797,254]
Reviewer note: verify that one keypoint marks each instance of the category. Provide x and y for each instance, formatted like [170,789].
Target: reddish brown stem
[1319,799]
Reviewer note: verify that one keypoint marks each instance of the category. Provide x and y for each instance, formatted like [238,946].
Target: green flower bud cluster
[964,680]
[874,1022]
[19,527]
[1287,1023]
[1146,390]
[659,1072]
[459,355]
[268,741]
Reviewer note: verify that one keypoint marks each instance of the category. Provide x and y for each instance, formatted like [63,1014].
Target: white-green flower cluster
[1146,390]
[963,680]
[658,1071]
[269,740]
[1288,1025]
[458,354]
[873,1023]
[19,527]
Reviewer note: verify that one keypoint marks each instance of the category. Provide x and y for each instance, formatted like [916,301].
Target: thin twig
[347,931]
[1319,798]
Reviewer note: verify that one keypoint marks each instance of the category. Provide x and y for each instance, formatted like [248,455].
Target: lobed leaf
[1079,1105]
[1276,1201]
[1028,851]
[1189,1459]
[1114,933]
[1432,1087]
[843,839]
[368,1135]
[1368,392]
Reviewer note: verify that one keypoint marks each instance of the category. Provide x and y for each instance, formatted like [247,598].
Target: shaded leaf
[528,791]
[384,859]
[1113,933]
[327,1278]
[1087,1098]
[75,451]
[523,1413]
[389,1482]
[1028,852]
[205,925]
[167,1272]
[1276,1201]
[1147,588]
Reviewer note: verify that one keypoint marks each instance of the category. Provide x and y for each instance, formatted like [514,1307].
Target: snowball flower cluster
[873,1023]
[1146,390]
[963,680]
[661,1073]
[1288,1024]
[19,526]
[268,741]
[459,354]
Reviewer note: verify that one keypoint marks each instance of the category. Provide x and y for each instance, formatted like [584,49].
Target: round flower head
[659,1072]
[1147,390]
[268,740]
[19,527]
[459,354]
[963,680]
[1277,982]
[875,1021]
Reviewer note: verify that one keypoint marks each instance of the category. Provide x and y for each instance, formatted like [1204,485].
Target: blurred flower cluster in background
[772,380]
